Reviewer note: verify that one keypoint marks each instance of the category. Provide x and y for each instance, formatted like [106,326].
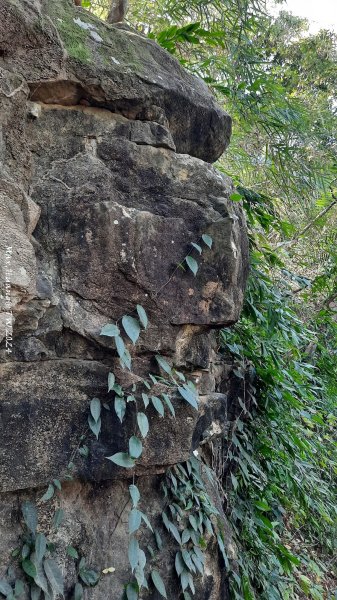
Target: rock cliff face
[105,181]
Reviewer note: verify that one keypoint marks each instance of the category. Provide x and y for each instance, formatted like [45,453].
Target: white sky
[321,13]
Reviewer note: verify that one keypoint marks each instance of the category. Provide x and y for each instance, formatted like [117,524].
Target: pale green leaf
[95,426]
[110,330]
[122,459]
[120,408]
[189,396]
[192,264]
[132,327]
[157,403]
[95,409]
[158,583]
[135,447]
[133,552]
[40,546]
[142,316]
[135,495]
[207,240]
[29,514]
[135,519]
[163,364]
[49,493]
[111,381]
[54,576]
[143,424]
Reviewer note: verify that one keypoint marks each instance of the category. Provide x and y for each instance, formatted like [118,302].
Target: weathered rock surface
[104,186]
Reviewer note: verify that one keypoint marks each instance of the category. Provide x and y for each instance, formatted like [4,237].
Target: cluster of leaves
[283,454]
[192,520]
[42,573]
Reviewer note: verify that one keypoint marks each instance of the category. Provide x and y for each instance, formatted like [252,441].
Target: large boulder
[106,187]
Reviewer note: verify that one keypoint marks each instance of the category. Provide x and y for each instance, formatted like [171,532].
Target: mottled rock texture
[105,181]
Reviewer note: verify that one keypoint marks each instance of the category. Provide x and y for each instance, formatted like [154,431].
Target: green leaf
[29,514]
[132,327]
[192,264]
[57,484]
[207,240]
[197,247]
[5,588]
[142,316]
[157,403]
[95,426]
[39,577]
[179,564]
[111,381]
[58,518]
[158,583]
[189,396]
[84,451]
[89,576]
[49,493]
[135,495]
[146,521]
[135,447]
[131,591]
[29,568]
[95,409]
[163,364]
[78,592]
[135,519]
[122,459]
[120,408]
[110,330]
[54,576]
[145,400]
[40,546]
[120,346]
[133,552]
[235,197]
[143,424]
[72,552]
[169,404]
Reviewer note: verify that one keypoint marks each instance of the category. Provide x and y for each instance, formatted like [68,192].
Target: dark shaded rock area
[106,146]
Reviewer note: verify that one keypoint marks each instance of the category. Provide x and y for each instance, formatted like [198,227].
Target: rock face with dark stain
[105,185]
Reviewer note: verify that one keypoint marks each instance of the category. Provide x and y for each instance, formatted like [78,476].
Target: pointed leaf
[135,495]
[192,264]
[163,364]
[58,518]
[72,552]
[133,552]
[95,409]
[157,403]
[111,381]
[207,240]
[146,400]
[54,576]
[189,396]
[120,346]
[122,459]
[158,583]
[197,247]
[135,519]
[132,327]
[146,521]
[142,316]
[169,404]
[143,424]
[135,447]
[29,514]
[131,591]
[110,330]
[78,592]
[49,493]
[29,568]
[95,426]
[39,577]
[120,408]
[40,546]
